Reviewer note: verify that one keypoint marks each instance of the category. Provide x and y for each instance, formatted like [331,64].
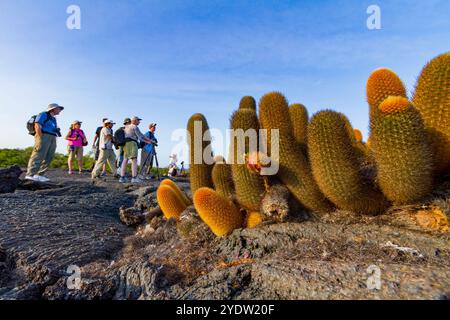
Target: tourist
[106,154]
[130,151]
[120,146]
[46,130]
[95,146]
[148,152]
[77,140]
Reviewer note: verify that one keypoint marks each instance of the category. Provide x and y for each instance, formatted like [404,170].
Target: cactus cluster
[295,170]
[323,162]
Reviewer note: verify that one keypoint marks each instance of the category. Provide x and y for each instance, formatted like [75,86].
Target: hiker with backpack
[130,150]
[45,130]
[95,146]
[107,154]
[119,143]
[77,141]
[148,152]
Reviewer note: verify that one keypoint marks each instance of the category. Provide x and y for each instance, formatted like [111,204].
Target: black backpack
[31,122]
[119,138]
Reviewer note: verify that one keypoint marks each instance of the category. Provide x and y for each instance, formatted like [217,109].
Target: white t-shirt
[105,141]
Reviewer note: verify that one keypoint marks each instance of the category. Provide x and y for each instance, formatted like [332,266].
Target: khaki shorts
[75,152]
[130,150]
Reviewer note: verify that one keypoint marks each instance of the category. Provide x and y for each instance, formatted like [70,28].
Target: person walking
[148,152]
[95,146]
[130,151]
[106,154]
[46,131]
[77,141]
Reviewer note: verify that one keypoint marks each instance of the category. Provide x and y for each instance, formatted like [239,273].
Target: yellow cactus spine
[248,102]
[294,168]
[432,99]
[299,120]
[223,179]
[199,168]
[180,193]
[171,204]
[219,213]
[358,135]
[253,219]
[402,152]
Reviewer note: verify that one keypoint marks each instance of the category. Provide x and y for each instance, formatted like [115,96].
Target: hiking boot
[136,180]
[40,178]
[103,174]
[123,180]
[30,178]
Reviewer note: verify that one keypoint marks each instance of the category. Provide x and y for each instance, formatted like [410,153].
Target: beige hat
[135,118]
[76,122]
[109,121]
[53,106]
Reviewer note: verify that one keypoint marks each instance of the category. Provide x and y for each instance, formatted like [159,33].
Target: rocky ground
[125,249]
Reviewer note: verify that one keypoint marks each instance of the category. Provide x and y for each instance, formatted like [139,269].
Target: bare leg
[134,167]
[124,167]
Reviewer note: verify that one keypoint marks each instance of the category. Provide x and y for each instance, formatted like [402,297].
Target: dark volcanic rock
[34,185]
[330,258]
[131,216]
[42,233]
[9,179]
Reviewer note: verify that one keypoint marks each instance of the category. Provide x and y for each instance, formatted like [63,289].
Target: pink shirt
[77,133]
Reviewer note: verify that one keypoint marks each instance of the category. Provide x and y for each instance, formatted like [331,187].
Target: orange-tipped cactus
[171,204]
[381,84]
[358,135]
[178,191]
[402,152]
[394,105]
[253,219]
[219,213]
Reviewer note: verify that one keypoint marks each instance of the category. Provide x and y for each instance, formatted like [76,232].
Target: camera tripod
[151,164]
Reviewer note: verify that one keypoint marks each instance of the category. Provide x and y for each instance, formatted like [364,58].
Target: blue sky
[165,60]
